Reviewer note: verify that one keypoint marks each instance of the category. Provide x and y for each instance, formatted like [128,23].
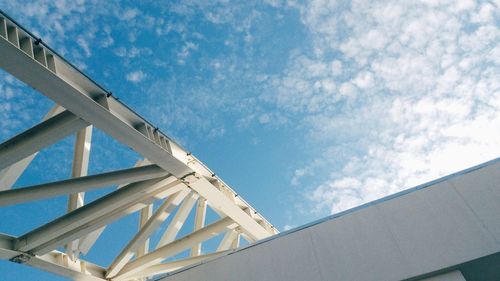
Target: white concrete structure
[445,230]
[168,174]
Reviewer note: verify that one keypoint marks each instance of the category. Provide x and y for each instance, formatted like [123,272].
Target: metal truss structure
[169,177]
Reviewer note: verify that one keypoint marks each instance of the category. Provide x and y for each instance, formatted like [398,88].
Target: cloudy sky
[304,108]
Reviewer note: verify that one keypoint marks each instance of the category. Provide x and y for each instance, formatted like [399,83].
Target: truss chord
[221,203]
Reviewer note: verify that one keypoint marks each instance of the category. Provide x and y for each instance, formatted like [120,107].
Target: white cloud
[136,76]
[186,51]
[19,107]
[132,52]
[414,95]
[82,42]
[130,14]
[216,132]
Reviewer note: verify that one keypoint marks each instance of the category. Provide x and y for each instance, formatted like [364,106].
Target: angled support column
[9,175]
[55,231]
[236,241]
[161,214]
[228,240]
[47,190]
[176,247]
[199,222]
[144,215]
[178,220]
[42,135]
[80,164]
[80,168]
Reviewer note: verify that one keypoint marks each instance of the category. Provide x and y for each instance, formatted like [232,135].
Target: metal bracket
[22,258]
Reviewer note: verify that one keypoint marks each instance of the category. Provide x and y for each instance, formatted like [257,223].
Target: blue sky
[304,108]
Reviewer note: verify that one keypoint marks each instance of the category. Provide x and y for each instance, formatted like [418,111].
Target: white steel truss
[168,175]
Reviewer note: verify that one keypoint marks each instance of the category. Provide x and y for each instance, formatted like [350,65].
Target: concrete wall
[428,228]
[449,276]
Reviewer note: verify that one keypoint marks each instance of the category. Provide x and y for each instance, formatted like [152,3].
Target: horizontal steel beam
[40,136]
[81,184]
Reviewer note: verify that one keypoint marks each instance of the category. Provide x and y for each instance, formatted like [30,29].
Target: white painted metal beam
[149,227]
[97,223]
[199,222]
[102,206]
[80,164]
[236,241]
[178,220]
[88,241]
[227,240]
[55,262]
[11,174]
[223,204]
[144,215]
[176,247]
[80,95]
[87,183]
[80,167]
[42,135]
